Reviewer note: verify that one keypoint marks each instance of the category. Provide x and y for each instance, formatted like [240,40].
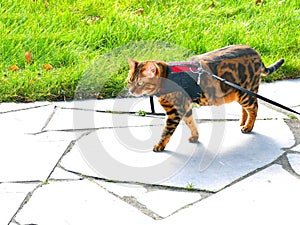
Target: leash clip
[199,75]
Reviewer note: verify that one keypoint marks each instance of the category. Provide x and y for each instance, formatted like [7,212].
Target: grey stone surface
[25,121]
[284,92]
[77,202]
[244,178]
[24,158]
[264,198]
[239,154]
[166,202]
[296,148]
[162,202]
[207,165]
[11,197]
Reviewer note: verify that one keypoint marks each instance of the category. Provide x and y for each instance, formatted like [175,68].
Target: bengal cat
[239,64]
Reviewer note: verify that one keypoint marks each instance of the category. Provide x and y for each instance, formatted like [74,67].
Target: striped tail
[271,69]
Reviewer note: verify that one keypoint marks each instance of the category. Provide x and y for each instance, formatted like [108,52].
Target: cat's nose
[132,90]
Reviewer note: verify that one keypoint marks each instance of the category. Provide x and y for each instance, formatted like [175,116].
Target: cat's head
[145,77]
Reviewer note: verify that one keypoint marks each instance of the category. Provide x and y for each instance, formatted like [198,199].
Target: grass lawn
[86,41]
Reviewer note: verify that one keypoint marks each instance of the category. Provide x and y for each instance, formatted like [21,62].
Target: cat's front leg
[171,125]
[173,104]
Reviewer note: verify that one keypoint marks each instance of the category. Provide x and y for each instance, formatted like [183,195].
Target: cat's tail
[271,69]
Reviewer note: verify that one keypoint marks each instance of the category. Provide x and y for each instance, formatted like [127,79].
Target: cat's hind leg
[244,117]
[190,122]
[251,112]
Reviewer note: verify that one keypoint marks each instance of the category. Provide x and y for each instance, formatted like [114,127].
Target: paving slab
[268,197]
[162,202]
[296,148]
[239,154]
[30,120]
[25,158]
[11,197]
[284,92]
[216,161]
[294,160]
[78,202]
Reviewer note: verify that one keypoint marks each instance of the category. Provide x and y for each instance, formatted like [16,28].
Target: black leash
[202,71]
[253,94]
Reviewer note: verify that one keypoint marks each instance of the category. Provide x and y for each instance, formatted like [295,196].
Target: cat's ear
[150,69]
[132,63]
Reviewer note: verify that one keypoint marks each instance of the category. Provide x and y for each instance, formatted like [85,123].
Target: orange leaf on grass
[28,57]
[47,67]
[14,68]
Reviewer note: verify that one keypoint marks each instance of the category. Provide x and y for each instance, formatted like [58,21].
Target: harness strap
[182,76]
[152,104]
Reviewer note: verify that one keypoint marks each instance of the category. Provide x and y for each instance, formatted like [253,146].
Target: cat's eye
[140,83]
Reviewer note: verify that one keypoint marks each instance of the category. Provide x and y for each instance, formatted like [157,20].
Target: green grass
[86,41]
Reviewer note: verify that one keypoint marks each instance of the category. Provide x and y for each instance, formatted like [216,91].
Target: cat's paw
[158,148]
[246,129]
[193,139]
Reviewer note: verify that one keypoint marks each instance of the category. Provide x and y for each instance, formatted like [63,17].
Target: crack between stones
[148,114]
[22,182]
[17,110]
[49,118]
[68,149]
[16,222]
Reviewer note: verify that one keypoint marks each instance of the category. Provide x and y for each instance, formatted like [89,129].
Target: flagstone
[294,160]
[223,154]
[77,202]
[266,197]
